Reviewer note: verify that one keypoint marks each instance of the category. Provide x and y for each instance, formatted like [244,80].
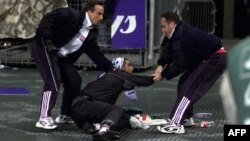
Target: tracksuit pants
[64,72]
[92,111]
[195,83]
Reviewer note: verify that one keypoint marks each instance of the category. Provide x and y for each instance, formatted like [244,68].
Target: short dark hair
[91,5]
[171,16]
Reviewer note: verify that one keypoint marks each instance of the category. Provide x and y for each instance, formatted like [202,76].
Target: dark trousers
[195,83]
[64,72]
[92,111]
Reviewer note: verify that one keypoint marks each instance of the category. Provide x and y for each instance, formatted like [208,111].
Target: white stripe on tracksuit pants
[180,110]
[45,104]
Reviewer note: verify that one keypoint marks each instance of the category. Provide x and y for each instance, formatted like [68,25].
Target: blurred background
[125,20]
[131,28]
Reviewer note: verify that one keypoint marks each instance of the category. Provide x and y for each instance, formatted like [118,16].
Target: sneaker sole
[38,125]
[64,122]
[170,132]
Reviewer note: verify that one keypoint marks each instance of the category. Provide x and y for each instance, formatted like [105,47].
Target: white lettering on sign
[237,132]
[119,20]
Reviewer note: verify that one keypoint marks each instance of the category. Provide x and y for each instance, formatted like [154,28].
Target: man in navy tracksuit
[72,33]
[198,56]
[95,104]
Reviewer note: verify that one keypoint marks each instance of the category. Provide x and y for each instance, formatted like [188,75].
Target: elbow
[150,82]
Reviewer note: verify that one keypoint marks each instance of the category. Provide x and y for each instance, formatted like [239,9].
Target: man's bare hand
[157,73]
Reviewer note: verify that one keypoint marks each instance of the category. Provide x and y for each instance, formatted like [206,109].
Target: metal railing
[199,13]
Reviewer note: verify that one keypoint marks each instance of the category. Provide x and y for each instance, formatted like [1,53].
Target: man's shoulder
[187,28]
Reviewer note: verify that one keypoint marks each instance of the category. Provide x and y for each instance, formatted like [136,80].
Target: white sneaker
[64,119]
[144,121]
[171,128]
[46,123]
[188,122]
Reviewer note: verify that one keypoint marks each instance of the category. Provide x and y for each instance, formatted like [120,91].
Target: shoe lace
[169,122]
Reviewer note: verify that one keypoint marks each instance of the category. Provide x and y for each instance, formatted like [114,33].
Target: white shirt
[171,34]
[75,43]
